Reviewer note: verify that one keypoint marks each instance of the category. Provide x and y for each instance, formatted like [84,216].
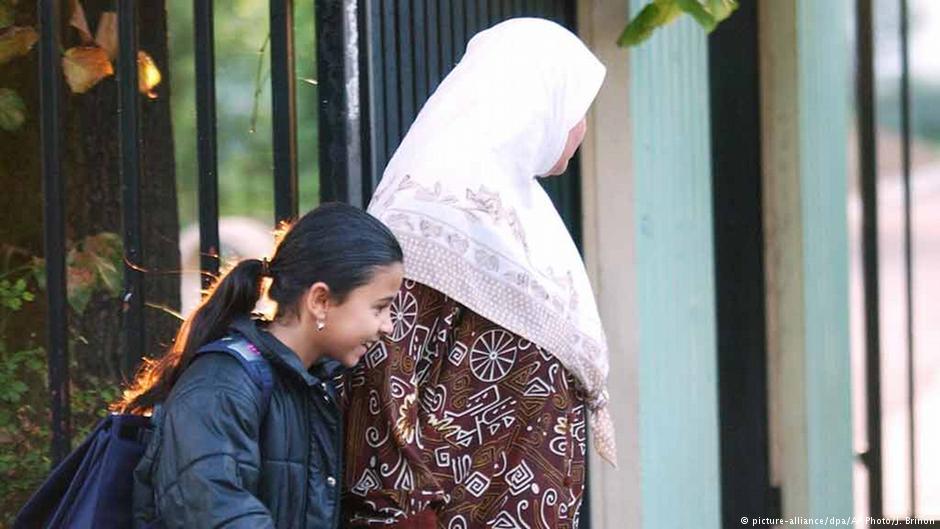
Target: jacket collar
[279,353]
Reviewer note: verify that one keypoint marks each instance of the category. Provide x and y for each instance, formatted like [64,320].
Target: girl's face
[362,318]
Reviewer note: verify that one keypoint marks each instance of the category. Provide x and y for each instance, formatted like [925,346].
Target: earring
[321,325]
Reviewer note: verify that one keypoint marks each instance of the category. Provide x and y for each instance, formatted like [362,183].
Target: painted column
[678,382]
[806,92]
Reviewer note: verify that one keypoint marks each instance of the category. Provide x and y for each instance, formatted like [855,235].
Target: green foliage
[243,94]
[93,265]
[12,110]
[659,13]
[96,263]
[7,15]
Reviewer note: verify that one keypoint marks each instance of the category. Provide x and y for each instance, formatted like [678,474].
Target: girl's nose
[386,327]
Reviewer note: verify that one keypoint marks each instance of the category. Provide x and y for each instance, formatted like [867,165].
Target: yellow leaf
[84,66]
[16,41]
[148,75]
[80,22]
[106,35]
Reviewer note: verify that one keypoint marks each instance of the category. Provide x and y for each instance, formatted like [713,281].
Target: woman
[472,412]
[227,452]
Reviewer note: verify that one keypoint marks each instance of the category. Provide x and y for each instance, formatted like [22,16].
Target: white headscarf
[461,195]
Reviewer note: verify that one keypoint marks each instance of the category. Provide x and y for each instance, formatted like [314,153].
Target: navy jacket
[219,460]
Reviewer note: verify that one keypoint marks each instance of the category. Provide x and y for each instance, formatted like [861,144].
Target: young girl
[229,452]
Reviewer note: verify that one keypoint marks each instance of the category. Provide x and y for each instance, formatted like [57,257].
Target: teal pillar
[824,96]
[678,383]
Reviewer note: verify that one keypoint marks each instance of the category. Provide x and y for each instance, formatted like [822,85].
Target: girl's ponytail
[235,294]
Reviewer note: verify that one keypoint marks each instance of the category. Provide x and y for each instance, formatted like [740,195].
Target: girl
[225,453]
[472,412]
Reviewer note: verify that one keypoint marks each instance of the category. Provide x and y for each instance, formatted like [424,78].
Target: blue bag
[92,488]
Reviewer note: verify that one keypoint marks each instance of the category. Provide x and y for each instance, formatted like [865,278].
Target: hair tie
[265,267]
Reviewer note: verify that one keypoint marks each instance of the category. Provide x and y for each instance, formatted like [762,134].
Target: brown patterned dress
[455,419]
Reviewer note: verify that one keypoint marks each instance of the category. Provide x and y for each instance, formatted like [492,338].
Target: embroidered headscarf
[462,196]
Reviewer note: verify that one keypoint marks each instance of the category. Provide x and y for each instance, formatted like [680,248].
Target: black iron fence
[873,457]
[54,176]
[381,56]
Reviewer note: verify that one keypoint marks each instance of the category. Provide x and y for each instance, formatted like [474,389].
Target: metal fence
[872,458]
[133,326]
[406,49]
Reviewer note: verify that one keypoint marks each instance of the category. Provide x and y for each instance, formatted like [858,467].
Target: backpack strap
[250,357]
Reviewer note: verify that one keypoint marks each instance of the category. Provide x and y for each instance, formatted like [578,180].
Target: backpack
[93,486]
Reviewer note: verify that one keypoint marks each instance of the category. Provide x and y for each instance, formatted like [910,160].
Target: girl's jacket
[219,458]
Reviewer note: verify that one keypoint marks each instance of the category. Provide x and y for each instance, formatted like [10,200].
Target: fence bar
[338,70]
[908,258]
[283,105]
[371,90]
[865,96]
[420,56]
[352,57]
[446,38]
[391,74]
[406,69]
[459,31]
[206,142]
[433,47]
[129,131]
[53,192]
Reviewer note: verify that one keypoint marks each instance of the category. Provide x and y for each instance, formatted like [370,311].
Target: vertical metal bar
[446,26]
[391,72]
[459,30]
[865,95]
[406,68]
[206,144]
[483,15]
[283,109]
[338,68]
[420,54]
[129,131]
[470,16]
[433,46]
[53,192]
[372,94]
[908,250]
[356,194]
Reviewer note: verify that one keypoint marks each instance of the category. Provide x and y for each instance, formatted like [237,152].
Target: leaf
[697,11]
[85,66]
[7,15]
[106,34]
[659,13]
[148,75]
[80,22]
[80,285]
[16,41]
[38,265]
[12,110]
[104,253]
[722,9]
[652,16]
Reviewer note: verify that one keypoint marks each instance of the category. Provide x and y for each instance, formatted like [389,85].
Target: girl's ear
[318,300]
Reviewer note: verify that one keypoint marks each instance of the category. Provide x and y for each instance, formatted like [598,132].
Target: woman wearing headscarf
[473,412]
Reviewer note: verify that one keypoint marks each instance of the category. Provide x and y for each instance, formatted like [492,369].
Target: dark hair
[335,243]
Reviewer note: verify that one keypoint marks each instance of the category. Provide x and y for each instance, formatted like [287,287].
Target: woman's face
[575,137]
[362,318]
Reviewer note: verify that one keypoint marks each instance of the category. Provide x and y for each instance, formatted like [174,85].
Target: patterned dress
[454,418]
